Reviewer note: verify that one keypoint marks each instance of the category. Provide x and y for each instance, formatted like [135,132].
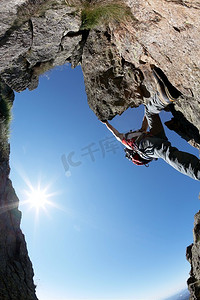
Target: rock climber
[143,146]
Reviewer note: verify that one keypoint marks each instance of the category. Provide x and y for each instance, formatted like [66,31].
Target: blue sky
[115,231]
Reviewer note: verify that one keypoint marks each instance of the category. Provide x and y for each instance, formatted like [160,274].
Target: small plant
[6,101]
[94,14]
[5,111]
[5,119]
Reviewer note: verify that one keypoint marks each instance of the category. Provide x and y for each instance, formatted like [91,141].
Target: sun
[37,198]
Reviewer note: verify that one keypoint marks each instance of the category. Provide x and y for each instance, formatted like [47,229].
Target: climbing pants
[183,162]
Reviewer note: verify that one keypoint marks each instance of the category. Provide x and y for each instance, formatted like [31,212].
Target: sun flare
[37,198]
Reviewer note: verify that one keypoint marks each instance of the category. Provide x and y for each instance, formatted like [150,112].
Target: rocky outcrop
[163,33]
[16,273]
[36,43]
[193,256]
[116,58]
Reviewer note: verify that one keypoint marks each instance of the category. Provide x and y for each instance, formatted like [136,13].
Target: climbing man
[143,146]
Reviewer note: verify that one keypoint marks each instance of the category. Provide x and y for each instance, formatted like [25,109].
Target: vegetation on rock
[6,100]
[95,13]
[5,111]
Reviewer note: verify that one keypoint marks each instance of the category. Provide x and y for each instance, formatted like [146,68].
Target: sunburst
[38,198]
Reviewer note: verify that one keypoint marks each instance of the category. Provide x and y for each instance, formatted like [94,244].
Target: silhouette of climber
[153,144]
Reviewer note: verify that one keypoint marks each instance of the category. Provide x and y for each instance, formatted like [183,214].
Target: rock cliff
[16,273]
[193,256]
[116,58]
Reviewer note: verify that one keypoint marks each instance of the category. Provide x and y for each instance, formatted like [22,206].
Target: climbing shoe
[167,92]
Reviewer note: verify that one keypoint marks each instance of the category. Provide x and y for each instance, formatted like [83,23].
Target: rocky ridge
[16,272]
[193,256]
[116,59]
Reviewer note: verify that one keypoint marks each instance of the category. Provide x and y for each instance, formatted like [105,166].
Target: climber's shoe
[167,92]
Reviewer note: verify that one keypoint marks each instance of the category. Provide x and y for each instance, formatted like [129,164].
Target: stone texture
[36,42]
[52,30]
[37,35]
[112,84]
[8,14]
[193,256]
[167,35]
[16,273]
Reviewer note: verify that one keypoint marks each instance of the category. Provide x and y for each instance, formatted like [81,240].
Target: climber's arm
[115,132]
[144,124]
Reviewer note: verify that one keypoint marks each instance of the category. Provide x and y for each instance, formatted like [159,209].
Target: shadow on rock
[183,127]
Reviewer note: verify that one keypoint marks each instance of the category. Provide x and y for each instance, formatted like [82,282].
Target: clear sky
[110,230]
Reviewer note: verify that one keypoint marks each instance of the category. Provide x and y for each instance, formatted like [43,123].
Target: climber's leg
[183,162]
[152,110]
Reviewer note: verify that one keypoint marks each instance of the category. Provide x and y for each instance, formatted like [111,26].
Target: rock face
[16,273]
[193,256]
[116,58]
